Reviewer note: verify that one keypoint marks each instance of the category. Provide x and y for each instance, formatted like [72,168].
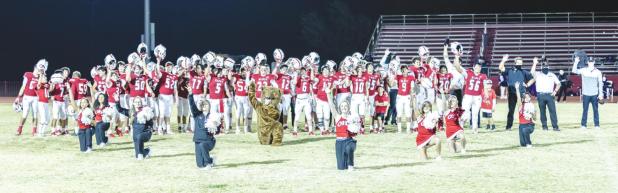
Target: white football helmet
[42,65]
[110,61]
[456,48]
[347,64]
[151,66]
[93,71]
[133,58]
[315,58]
[18,107]
[196,60]
[358,55]
[160,51]
[423,52]
[306,61]
[219,61]
[434,63]
[278,54]
[248,62]
[57,78]
[229,63]
[260,58]
[142,49]
[331,64]
[209,58]
[293,63]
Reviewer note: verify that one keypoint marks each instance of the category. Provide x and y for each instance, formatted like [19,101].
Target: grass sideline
[572,160]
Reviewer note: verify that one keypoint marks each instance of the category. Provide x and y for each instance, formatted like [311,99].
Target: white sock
[408,126]
[399,127]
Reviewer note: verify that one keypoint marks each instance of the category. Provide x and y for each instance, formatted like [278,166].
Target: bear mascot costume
[270,130]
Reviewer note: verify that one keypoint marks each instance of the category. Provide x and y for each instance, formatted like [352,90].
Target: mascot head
[271,96]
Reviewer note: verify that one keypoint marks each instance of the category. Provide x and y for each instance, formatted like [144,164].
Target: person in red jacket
[382,102]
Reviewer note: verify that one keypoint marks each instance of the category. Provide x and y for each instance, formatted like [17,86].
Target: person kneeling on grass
[205,127]
[84,122]
[527,114]
[346,127]
[103,116]
[454,131]
[426,136]
[142,126]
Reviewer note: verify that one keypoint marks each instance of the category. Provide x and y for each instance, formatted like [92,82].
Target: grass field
[572,160]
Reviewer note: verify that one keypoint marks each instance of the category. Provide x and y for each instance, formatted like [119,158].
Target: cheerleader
[527,114]
[84,123]
[205,128]
[142,126]
[426,136]
[454,131]
[103,115]
[346,127]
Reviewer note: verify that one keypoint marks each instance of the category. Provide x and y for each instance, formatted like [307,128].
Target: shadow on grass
[233,165]
[131,142]
[466,156]
[113,149]
[306,140]
[174,155]
[536,145]
[396,165]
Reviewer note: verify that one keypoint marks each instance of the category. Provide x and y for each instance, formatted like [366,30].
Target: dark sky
[79,33]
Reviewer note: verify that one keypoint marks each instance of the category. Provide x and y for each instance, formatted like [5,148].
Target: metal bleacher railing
[528,33]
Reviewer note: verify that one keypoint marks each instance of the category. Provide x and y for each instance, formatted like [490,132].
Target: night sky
[79,33]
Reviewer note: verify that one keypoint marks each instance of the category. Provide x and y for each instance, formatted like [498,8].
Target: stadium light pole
[147,24]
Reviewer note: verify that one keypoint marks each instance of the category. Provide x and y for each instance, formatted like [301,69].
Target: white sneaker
[214,160]
[149,153]
[88,150]
[140,157]
[584,127]
[439,158]
[169,132]
[350,168]
[102,145]
[528,146]
[208,167]
[597,127]
[463,151]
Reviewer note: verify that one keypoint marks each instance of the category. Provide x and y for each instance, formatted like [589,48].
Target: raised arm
[574,69]
[194,110]
[535,61]
[502,62]
[251,93]
[331,104]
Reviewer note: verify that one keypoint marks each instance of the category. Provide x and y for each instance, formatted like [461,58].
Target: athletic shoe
[311,133]
[88,150]
[295,134]
[584,127]
[149,153]
[529,146]
[19,129]
[597,127]
[33,131]
[463,151]
[350,168]
[493,127]
[487,127]
[439,158]
[140,157]
[362,131]
[214,160]
[556,129]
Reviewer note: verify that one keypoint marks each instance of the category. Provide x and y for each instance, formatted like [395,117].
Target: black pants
[391,113]
[512,98]
[292,113]
[562,93]
[344,151]
[524,134]
[99,130]
[138,142]
[547,101]
[85,139]
[202,152]
[459,94]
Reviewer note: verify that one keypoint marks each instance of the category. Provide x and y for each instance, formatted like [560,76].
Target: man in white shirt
[547,85]
[592,89]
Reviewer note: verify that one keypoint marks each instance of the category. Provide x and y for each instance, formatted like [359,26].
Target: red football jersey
[359,84]
[283,81]
[100,81]
[303,85]
[113,91]
[339,76]
[374,81]
[31,82]
[240,86]
[169,83]
[404,84]
[323,83]
[43,92]
[488,100]
[261,82]
[444,82]
[197,83]
[474,83]
[138,85]
[59,91]
[216,87]
[79,88]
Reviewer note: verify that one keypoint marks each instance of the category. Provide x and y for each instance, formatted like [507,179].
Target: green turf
[572,160]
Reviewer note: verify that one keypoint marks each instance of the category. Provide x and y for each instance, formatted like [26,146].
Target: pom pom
[17,106]
[146,114]
[87,116]
[354,124]
[108,114]
[213,121]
